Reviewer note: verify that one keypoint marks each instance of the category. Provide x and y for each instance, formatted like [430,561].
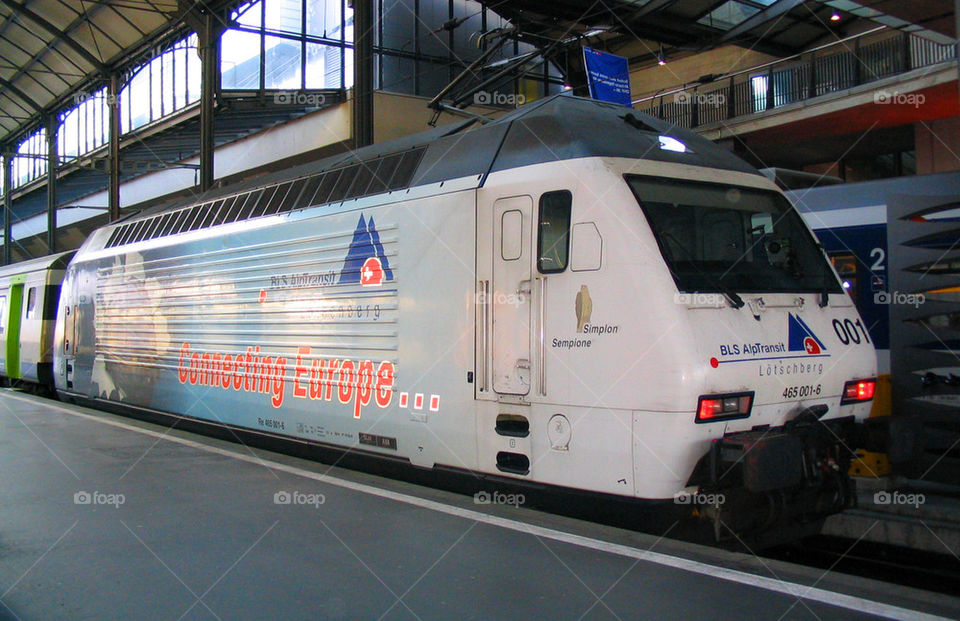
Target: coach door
[509,298]
[14,318]
[68,325]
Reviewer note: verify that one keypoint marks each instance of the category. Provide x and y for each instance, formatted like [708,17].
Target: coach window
[3,313]
[553,241]
[32,303]
[846,266]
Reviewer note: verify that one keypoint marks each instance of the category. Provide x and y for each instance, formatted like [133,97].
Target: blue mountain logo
[366,263]
[801,337]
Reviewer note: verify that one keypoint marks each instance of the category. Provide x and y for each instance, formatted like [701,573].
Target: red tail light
[724,407]
[856,391]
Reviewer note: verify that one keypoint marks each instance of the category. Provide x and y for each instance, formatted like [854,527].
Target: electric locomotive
[574,296]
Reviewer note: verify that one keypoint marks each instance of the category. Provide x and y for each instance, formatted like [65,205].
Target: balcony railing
[839,66]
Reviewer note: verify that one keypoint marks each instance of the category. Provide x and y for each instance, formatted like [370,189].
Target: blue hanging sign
[608,76]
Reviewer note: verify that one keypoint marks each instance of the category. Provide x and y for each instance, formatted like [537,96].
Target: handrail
[785,60]
[797,78]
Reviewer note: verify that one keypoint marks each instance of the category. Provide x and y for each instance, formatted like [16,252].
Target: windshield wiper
[735,300]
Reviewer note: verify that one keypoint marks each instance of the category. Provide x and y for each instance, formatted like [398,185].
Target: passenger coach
[29,296]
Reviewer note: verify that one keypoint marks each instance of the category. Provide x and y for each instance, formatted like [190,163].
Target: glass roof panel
[728,15]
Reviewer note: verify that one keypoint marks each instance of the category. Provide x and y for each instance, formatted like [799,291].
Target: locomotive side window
[511,235]
[3,313]
[32,303]
[553,239]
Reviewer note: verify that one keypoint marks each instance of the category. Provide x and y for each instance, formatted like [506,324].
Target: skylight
[730,13]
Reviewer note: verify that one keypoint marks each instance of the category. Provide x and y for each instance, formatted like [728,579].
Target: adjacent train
[574,296]
[850,220]
[29,297]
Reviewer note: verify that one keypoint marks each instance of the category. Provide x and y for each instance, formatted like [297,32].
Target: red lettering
[194,368]
[279,381]
[298,389]
[205,369]
[183,370]
[216,369]
[265,370]
[347,379]
[384,384]
[249,376]
[316,379]
[357,382]
[331,369]
[227,371]
[240,371]
[364,387]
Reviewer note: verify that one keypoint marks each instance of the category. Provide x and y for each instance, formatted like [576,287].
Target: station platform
[906,513]
[109,517]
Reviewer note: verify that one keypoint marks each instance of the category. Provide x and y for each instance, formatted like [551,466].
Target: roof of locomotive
[559,127]
[565,127]
[554,128]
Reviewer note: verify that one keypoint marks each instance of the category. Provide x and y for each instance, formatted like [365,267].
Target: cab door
[509,297]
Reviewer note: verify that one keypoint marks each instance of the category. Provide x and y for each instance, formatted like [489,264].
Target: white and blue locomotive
[575,296]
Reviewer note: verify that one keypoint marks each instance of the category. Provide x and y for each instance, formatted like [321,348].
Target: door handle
[484,291]
[542,337]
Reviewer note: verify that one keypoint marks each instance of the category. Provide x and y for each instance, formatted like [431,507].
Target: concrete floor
[198,534]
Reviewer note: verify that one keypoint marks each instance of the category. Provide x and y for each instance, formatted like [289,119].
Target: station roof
[777,27]
[51,49]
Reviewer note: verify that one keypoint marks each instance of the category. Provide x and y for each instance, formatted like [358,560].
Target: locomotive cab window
[32,303]
[553,231]
[718,238]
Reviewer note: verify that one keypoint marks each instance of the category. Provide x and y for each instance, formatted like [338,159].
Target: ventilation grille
[376,176]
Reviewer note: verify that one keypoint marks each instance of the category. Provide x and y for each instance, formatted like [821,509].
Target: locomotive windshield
[721,238]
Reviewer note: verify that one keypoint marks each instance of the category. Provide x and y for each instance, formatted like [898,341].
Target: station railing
[838,66]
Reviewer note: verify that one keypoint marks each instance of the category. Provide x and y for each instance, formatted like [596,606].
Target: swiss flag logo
[811,346]
[371,274]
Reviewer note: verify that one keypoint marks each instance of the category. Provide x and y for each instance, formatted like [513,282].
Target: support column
[7,206]
[362,73]
[52,164]
[113,101]
[209,38]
